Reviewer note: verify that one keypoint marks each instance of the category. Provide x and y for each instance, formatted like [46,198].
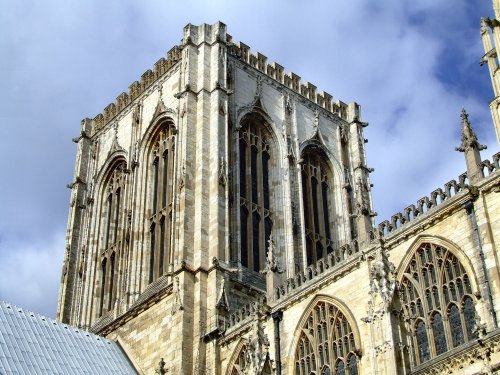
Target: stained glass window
[439,335]
[326,342]
[433,286]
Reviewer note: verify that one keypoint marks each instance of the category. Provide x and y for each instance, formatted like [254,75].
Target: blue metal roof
[33,344]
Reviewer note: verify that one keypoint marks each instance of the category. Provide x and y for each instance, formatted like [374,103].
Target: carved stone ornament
[382,276]
[362,201]
[136,117]
[288,104]
[180,184]
[272,262]
[115,146]
[222,301]
[257,349]
[177,297]
[222,172]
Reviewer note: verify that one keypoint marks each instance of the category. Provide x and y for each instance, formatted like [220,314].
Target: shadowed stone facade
[221,223]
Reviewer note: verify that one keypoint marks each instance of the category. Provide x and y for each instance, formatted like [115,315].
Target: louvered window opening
[112,216]
[161,167]
[316,191]
[256,221]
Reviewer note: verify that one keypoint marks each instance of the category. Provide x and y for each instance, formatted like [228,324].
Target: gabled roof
[33,344]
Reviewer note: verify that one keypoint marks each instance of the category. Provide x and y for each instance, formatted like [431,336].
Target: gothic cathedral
[221,223]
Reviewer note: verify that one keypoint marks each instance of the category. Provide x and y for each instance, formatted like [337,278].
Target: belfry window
[316,197]
[112,216]
[160,191]
[326,344]
[256,220]
[437,298]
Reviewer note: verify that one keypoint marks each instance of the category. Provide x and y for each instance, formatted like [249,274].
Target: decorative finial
[469,138]
[272,262]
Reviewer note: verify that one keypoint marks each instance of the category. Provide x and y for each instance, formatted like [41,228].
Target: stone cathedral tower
[221,223]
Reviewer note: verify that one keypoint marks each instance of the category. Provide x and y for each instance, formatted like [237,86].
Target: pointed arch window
[316,199]
[256,219]
[112,209]
[437,297]
[326,342]
[161,166]
[241,362]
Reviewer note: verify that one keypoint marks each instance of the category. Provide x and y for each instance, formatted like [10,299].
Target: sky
[412,65]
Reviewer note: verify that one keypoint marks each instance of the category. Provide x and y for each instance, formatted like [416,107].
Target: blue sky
[412,65]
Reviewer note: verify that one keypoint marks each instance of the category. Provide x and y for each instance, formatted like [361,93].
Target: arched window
[437,298]
[316,191]
[161,166]
[112,203]
[256,221]
[326,342]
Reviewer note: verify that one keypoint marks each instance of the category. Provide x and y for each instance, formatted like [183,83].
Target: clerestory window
[438,302]
[256,220]
[161,166]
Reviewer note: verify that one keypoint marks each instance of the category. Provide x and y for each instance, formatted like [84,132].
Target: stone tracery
[326,344]
[438,302]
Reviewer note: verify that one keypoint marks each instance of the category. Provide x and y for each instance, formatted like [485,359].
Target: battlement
[138,87]
[211,34]
[291,80]
[435,199]
[335,261]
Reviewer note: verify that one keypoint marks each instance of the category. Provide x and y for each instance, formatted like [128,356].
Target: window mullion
[248,195]
[311,213]
[260,197]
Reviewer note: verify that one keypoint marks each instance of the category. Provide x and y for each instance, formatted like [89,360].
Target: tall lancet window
[112,203]
[256,220]
[316,199]
[161,166]
[438,302]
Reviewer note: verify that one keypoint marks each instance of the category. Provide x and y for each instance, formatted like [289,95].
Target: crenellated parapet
[335,261]
[246,313]
[435,199]
[138,87]
[291,80]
